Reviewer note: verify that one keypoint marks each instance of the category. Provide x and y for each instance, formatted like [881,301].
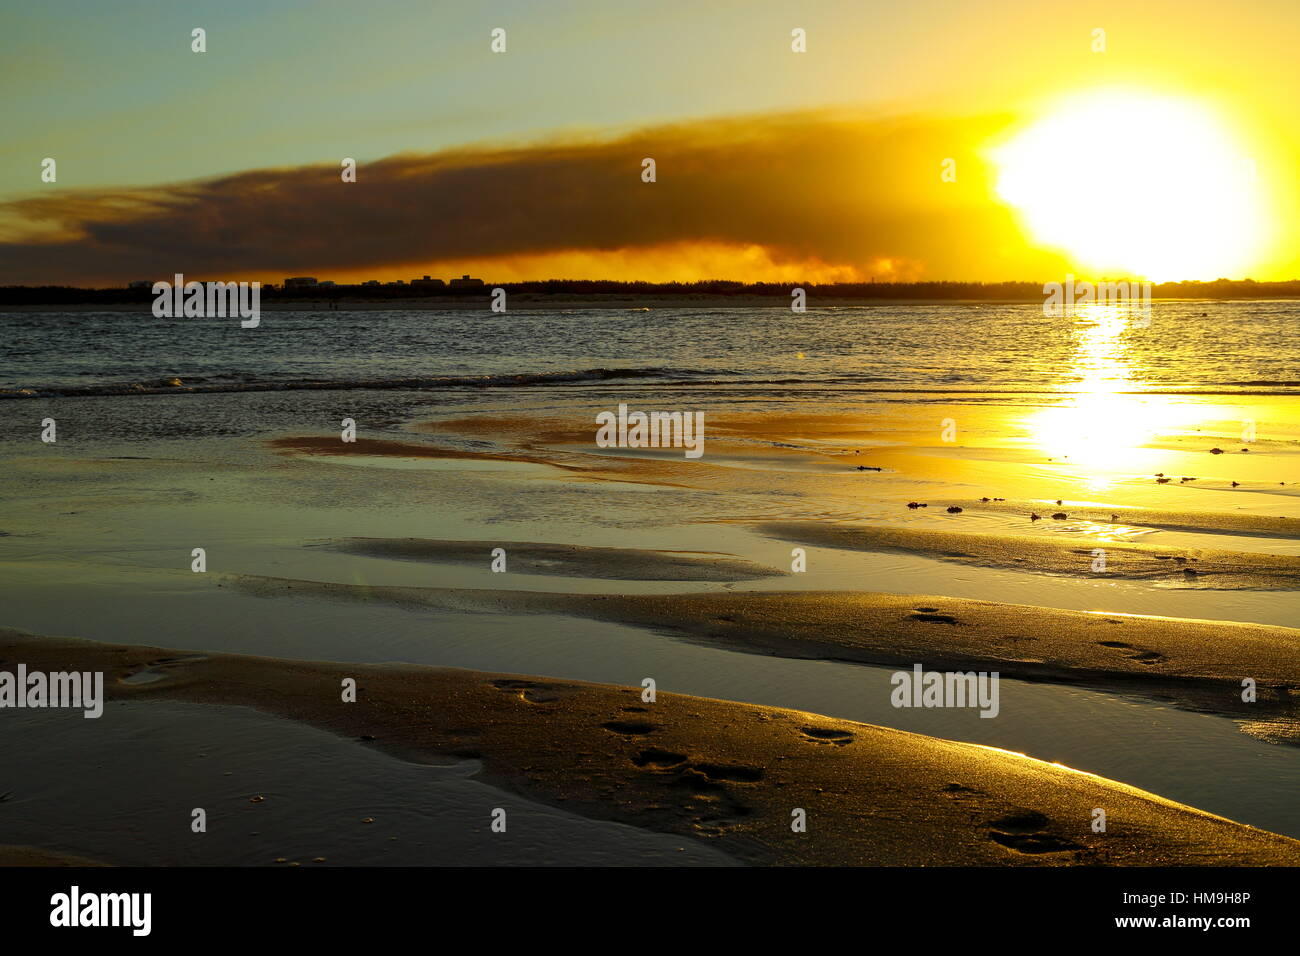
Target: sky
[926,140]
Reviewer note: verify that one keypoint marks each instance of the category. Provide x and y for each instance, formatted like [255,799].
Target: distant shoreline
[527,301]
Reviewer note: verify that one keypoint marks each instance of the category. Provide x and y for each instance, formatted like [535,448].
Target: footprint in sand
[656,757]
[731,773]
[630,728]
[708,799]
[698,774]
[1026,832]
[927,614]
[827,735]
[1142,656]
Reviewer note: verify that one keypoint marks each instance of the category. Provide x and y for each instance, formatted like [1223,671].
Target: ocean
[1186,347]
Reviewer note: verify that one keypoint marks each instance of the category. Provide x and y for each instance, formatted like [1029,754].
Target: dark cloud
[832,188]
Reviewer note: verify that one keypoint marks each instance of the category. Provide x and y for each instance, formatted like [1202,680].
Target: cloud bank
[857,195]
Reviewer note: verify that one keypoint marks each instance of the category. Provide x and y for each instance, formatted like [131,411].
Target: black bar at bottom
[330,905]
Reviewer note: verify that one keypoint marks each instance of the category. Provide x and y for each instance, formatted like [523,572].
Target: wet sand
[734,775]
[1186,567]
[626,564]
[1229,523]
[1199,665]
[283,517]
[35,856]
[318,445]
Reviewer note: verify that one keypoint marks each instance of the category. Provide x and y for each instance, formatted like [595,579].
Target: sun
[1140,184]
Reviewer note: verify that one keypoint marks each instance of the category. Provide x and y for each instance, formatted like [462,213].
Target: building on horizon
[465,282]
[428,283]
[300,282]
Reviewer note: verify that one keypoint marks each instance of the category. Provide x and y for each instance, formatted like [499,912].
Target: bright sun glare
[1144,185]
[1104,426]
[1101,426]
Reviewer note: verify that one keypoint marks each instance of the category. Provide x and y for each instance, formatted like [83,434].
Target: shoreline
[540,302]
[1194,664]
[726,773]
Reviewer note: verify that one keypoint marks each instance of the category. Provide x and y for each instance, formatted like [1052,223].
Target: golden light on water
[1140,185]
[1100,428]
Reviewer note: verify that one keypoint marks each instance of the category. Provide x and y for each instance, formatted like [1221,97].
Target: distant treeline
[1027,291]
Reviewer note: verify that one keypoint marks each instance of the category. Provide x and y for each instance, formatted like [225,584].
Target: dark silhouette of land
[577,292]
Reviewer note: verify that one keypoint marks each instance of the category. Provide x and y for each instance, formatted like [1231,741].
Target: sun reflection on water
[1100,427]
